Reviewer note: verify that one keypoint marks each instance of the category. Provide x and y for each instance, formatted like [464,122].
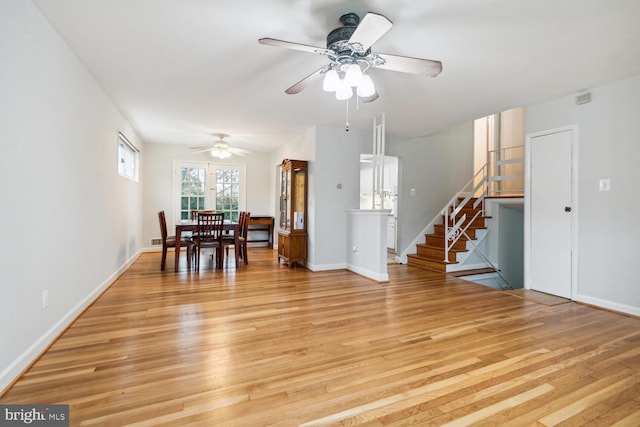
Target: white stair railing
[506,171]
[488,181]
[455,224]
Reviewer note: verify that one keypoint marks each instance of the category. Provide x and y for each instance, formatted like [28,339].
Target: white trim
[354,269]
[326,267]
[574,205]
[31,354]
[622,308]
[368,274]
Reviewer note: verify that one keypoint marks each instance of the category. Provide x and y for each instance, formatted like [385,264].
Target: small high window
[127,158]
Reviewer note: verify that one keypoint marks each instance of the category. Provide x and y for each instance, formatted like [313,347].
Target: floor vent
[156,242]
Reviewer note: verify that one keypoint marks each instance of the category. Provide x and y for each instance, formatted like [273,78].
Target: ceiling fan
[350,57]
[221,149]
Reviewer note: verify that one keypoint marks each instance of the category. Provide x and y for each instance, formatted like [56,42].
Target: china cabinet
[292,236]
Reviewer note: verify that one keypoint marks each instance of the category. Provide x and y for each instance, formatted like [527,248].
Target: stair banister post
[486,192]
[446,234]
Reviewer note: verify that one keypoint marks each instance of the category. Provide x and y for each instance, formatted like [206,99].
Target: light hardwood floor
[268,345]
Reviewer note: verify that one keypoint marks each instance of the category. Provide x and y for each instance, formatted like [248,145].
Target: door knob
[567,208]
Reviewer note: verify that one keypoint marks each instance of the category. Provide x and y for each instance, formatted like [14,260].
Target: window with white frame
[127,158]
[200,186]
[227,192]
[193,189]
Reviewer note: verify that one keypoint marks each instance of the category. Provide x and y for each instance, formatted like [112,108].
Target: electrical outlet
[45,299]
[412,192]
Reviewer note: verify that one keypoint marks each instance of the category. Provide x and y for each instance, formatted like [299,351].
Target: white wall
[366,241]
[70,223]
[436,166]
[609,147]
[337,163]
[158,178]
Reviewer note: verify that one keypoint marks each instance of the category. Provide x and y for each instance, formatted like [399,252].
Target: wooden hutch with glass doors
[292,236]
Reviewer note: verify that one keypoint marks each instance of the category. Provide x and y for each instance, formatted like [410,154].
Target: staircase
[433,254]
[452,238]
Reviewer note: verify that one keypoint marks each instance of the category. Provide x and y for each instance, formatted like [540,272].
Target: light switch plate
[412,192]
[604,184]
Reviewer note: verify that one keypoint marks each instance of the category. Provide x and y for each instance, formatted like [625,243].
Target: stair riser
[430,255]
[429,265]
[438,230]
[478,222]
[435,253]
[433,240]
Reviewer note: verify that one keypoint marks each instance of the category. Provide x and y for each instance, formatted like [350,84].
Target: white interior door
[550,212]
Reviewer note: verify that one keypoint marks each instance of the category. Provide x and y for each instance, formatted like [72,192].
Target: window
[127,158]
[209,186]
[192,190]
[227,192]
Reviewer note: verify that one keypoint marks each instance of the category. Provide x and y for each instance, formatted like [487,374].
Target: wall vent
[156,242]
[585,98]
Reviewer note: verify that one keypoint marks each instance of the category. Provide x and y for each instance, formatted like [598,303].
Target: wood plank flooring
[267,345]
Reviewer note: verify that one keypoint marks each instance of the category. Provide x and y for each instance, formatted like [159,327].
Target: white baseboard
[326,267]
[31,354]
[610,305]
[378,277]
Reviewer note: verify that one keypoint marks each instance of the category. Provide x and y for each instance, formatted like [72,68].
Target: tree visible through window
[228,193]
[209,186]
[193,190]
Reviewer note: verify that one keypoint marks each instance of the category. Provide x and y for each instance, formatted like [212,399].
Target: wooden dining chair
[170,241]
[194,213]
[242,239]
[210,227]
[230,240]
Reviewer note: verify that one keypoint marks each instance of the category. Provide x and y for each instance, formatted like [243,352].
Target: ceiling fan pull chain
[346,126]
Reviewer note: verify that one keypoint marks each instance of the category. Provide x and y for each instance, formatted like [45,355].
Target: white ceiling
[180,70]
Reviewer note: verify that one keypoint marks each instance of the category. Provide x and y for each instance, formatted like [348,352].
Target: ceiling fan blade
[202,150]
[370,29]
[295,46]
[407,64]
[296,88]
[239,151]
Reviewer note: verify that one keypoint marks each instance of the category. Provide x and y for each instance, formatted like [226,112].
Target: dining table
[192,225]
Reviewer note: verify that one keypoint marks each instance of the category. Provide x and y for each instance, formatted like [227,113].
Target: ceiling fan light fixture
[221,150]
[344,91]
[353,76]
[331,81]
[220,153]
[366,88]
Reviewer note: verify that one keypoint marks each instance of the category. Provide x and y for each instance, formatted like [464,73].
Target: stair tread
[426,258]
[425,245]
[471,226]
[473,272]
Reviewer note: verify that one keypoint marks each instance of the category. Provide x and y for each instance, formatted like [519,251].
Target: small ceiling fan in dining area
[221,149]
